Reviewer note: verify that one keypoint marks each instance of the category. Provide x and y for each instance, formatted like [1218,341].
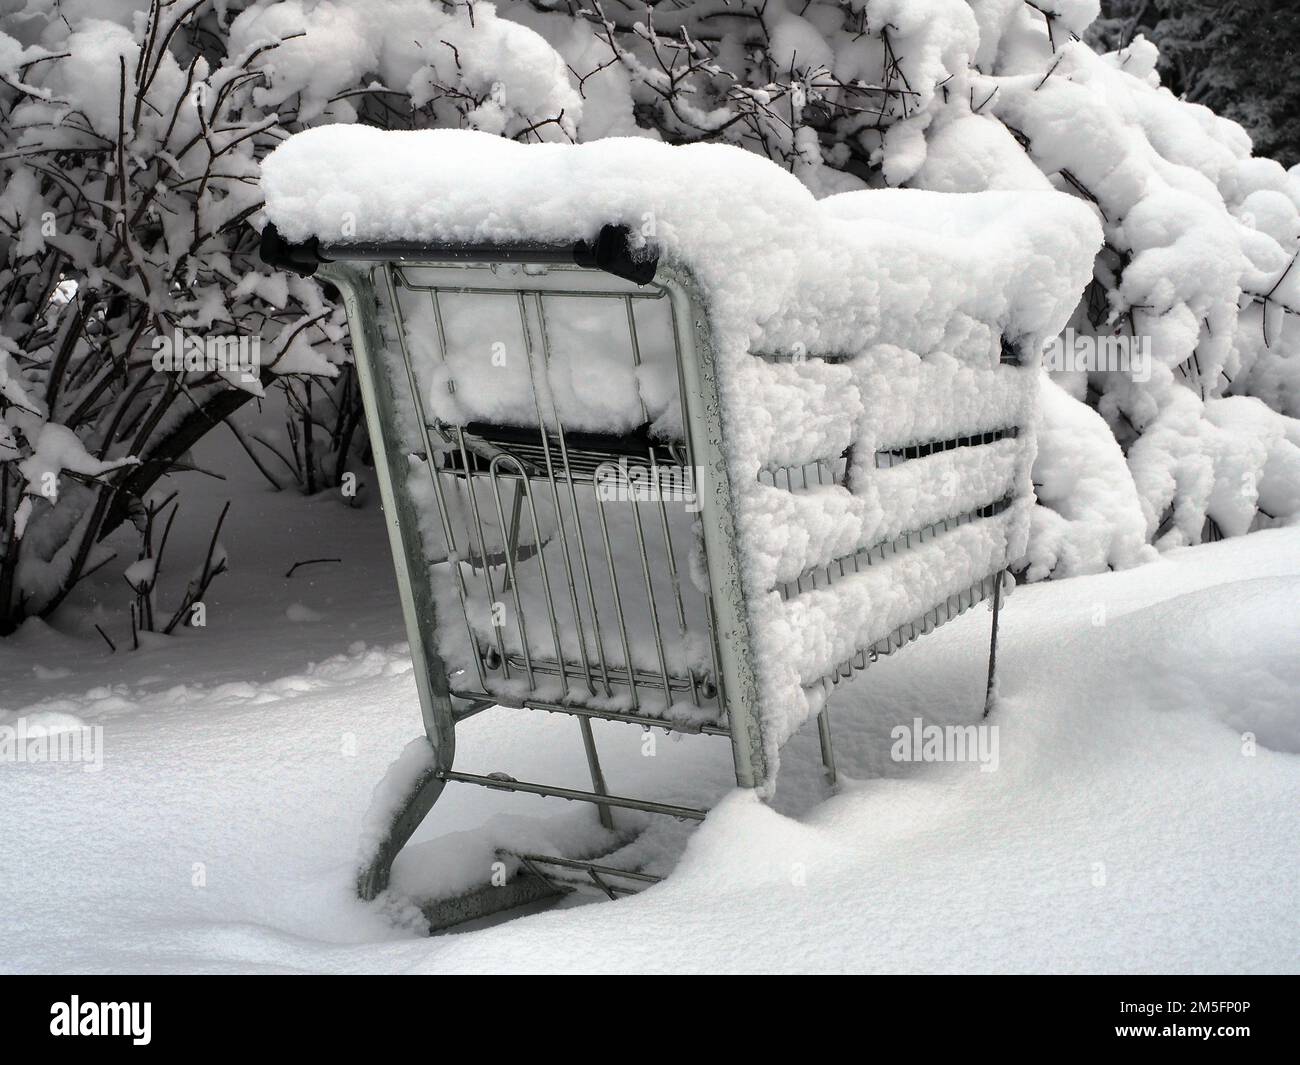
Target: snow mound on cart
[767,254]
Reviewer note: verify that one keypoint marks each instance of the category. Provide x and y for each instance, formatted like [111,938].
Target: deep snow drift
[1125,828]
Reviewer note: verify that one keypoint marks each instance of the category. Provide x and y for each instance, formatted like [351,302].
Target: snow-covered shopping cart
[664,441]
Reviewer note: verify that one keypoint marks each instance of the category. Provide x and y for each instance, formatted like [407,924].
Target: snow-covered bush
[1237,59]
[131,134]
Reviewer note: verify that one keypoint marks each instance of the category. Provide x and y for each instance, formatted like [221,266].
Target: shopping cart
[576,553]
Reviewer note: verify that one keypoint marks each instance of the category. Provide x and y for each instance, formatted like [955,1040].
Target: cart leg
[993,645]
[824,736]
[597,774]
[374,877]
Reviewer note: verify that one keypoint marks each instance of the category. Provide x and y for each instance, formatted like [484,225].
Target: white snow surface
[1126,827]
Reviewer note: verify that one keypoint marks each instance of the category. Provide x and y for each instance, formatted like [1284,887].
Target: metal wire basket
[549,563]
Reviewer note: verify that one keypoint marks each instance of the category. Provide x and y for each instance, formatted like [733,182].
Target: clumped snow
[777,265]
[1201,248]
[1091,518]
[413,47]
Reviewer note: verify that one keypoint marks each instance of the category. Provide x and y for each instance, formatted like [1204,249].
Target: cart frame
[356,281]
[362,273]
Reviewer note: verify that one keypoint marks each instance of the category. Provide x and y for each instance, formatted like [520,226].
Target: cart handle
[612,251]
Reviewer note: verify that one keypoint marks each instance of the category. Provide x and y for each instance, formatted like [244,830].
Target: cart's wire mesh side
[566,552]
[909,461]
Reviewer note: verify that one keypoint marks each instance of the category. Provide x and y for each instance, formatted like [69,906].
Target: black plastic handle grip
[611,251]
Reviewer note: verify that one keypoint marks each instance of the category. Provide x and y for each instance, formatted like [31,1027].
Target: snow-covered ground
[1127,825]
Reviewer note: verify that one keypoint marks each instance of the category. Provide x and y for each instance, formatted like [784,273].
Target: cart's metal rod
[993,644]
[679,683]
[448,533]
[611,251]
[541,382]
[597,773]
[674,578]
[513,579]
[618,598]
[607,715]
[573,505]
[564,885]
[405,251]
[644,805]
[586,567]
[511,546]
[824,739]
[610,893]
[654,607]
[541,555]
[555,885]
[487,569]
[578,863]
[636,355]
[505,290]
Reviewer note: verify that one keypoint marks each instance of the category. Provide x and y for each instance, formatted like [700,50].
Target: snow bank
[1091,519]
[880,315]
[1142,817]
